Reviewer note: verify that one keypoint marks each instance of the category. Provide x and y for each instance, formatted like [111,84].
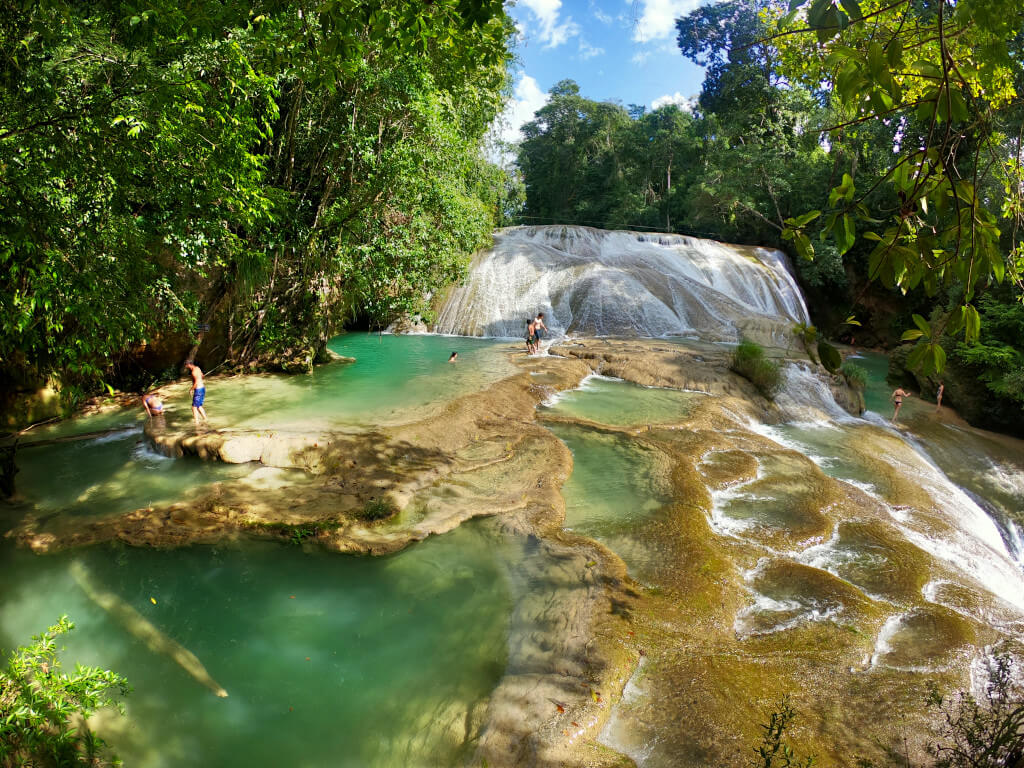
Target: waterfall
[594,282]
[806,397]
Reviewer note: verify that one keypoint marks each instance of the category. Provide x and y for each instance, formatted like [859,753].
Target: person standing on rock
[897,399]
[938,397]
[538,330]
[198,391]
[531,336]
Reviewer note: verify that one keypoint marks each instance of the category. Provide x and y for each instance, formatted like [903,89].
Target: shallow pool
[327,659]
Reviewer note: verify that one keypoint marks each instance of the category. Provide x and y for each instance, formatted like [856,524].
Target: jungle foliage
[879,142]
[272,168]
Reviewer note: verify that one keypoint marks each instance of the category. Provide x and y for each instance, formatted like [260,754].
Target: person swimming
[454,356]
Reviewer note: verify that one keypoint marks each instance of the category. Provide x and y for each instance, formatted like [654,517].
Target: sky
[616,50]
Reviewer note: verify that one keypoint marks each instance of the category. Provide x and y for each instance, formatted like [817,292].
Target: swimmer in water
[454,356]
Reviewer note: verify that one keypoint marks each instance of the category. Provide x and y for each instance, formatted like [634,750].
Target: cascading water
[597,283]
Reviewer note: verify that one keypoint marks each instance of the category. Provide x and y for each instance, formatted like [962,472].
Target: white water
[960,534]
[598,283]
[806,397]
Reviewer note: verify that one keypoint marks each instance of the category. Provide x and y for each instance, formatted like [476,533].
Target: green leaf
[804,247]
[852,8]
[845,234]
[921,323]
[829,356]
[972,324]
[911,335]
[807,218]
[894,53]
[876,59]
[916,356]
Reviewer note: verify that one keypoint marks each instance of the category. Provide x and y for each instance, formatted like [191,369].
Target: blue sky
[615,49]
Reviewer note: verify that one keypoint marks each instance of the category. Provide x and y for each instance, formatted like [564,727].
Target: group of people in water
[154,405]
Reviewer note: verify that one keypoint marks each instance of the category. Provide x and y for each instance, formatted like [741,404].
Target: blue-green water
[617,488]
[394,379]
[328,660]
[110,475]
[620,403]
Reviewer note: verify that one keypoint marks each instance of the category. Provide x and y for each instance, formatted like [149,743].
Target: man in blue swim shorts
[198,390]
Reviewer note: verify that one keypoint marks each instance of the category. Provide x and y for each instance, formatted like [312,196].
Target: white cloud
[657,18]
[552,32]
[587,51]
[601,16]
[527,99]
[640,57]
[683,102]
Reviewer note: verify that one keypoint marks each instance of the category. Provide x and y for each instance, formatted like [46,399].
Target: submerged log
[143,629]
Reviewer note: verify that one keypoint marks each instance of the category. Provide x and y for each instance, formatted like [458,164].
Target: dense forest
[879,144]
[238,181]
[251,175]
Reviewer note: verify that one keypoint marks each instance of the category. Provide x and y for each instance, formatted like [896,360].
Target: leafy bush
[749,362]
[856,376]
[45,708]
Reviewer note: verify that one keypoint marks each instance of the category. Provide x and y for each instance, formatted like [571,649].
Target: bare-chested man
[198,390]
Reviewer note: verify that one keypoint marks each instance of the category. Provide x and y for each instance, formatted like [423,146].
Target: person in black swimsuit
[897,398]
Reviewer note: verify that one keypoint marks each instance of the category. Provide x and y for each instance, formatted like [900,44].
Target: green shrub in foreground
[749,362]
[44,708]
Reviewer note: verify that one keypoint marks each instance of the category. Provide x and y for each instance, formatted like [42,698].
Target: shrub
[773,749]
[856,376]
[379,509]
[45,708]
[989,732]
[749,362]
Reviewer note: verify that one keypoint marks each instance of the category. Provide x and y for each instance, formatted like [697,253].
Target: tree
[45,709]
[944,74]
[270,170]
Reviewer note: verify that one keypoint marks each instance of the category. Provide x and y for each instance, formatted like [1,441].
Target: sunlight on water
[394,378]
[619,403]
[110,475]
[615,489]
[327,659]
